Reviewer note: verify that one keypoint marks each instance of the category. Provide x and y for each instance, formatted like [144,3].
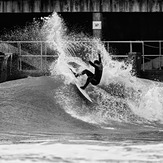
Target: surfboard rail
[83,92]
[77,83]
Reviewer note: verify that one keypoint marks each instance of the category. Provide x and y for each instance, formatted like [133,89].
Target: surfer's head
[96,62]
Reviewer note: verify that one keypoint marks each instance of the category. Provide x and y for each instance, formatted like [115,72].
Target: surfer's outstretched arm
[92,64]
[99,56]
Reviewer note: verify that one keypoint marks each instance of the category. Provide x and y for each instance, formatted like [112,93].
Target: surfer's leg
[90,77]
[86,84]
[87,72]
[94,82]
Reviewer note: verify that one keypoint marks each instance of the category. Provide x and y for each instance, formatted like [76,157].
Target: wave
[55,105]
[113,104]
[46,105]
[121,97]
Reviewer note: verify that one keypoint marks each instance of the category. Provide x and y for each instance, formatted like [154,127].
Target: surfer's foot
[82,87]
[76,75]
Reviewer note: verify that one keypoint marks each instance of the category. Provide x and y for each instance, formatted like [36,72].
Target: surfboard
[77,83]
[83,92]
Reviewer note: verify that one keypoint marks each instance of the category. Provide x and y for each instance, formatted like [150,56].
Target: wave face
[54,104]
[30,105]
[46,105]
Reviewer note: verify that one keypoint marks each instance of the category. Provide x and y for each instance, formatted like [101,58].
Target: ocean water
[47,119]
[36,127]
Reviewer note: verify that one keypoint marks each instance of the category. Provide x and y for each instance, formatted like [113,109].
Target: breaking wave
[120,97]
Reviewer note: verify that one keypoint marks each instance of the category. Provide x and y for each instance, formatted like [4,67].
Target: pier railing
[38,53]
[150,52]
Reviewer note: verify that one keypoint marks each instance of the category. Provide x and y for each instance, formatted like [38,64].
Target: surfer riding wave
[95,78]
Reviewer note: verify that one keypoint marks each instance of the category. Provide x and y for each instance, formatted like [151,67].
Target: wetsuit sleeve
[92,64]
[99,57]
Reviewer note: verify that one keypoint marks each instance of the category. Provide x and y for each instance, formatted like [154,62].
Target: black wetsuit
[95,78]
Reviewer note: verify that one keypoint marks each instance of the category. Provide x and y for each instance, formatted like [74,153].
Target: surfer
[95,78]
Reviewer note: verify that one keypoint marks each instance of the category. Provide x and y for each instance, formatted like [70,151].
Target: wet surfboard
[77,83]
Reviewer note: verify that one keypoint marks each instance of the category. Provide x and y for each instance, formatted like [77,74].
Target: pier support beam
[97,25]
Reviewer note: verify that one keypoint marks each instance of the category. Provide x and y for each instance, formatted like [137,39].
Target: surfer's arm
[92,64]
[99,56]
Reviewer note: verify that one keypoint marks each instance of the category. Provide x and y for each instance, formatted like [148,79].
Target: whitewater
[47,119]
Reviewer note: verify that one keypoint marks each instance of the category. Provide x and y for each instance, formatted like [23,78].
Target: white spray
[140,96]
